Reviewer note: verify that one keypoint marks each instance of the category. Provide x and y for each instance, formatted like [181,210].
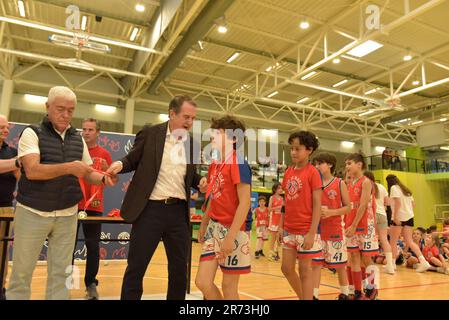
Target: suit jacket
[145,159]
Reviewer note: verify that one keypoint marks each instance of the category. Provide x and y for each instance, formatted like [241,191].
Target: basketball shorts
[296,242]
[262,232]
[334,254]
[239,261]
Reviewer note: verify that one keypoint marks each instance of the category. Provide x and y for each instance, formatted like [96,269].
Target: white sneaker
[390,269]
[423,267]
[395,268]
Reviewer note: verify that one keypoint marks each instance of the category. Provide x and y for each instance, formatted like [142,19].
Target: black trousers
[92,234]
[158,221]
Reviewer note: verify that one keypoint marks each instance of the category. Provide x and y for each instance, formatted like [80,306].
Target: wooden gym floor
[264,282]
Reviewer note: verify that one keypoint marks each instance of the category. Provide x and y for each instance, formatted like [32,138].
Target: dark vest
[59,193]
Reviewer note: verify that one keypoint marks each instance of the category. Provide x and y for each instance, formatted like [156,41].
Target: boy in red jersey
[222,230]
[360,224]
[261,214]
[303,190]
[335,204]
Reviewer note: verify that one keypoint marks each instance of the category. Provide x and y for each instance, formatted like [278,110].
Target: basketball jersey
[261,217]
[331,228]
[299,184]
[224,198]
[276,202]
[368,218]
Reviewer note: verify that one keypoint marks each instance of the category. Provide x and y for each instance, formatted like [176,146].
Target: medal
[82,215]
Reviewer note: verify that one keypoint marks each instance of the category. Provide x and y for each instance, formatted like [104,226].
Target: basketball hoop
[80,41]
[394,102]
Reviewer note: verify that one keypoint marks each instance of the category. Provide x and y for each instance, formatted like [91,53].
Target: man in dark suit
[157,200]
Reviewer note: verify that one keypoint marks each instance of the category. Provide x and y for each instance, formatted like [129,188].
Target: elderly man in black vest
[53,155]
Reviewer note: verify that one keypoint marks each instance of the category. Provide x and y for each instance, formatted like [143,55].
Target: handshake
[117,166]
[109,177]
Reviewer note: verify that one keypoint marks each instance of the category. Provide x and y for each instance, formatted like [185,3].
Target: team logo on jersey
[294,185]
[337,245]
[357,190]
[332,194]
[95,203]
[218,183]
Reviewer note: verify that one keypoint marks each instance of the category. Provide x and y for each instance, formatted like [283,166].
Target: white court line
[158,278]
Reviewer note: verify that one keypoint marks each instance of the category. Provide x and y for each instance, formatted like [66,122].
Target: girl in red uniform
[275,206]
[335,204]
[261,213]
[360,224]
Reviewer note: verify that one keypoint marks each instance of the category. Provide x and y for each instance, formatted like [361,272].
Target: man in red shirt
[92,204]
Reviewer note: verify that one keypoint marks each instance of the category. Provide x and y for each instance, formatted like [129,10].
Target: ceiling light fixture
[365,48]
[105,109]
[347,144]
[140,7]
[222,25]
[21,7]
[303,100]
[83,23]
[233,57]
[342,82]
[336,61]
[304,24]
[309,75]
[272,94]
[35,99]
[134,34]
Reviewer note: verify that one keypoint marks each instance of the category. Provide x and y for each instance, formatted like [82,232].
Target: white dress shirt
[170,181]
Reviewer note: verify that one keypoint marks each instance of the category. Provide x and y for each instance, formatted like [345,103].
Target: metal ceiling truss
[336,116]
[187,12]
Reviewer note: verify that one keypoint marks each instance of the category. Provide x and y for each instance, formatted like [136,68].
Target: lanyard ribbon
[98,189]
[205,205]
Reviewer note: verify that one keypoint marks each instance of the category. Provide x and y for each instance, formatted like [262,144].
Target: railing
[441,212]
[397,163]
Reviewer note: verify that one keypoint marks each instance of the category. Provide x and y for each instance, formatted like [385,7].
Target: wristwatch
[18,164]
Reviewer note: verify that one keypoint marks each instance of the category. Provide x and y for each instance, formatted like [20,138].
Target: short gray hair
[61,91]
